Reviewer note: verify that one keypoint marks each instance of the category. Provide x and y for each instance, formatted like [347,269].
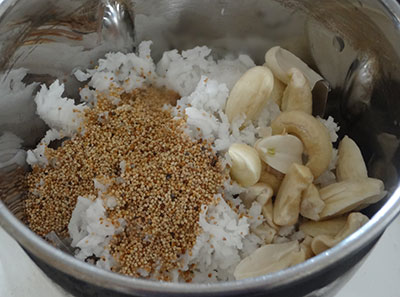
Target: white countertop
[379,276]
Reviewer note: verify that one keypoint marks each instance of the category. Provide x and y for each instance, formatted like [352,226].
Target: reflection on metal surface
[52,46]
[118,21]
[320,94]
[351,43]
[359,85]
[13,189]
[63,245]
[383,164]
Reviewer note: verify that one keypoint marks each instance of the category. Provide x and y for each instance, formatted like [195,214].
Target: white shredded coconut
[61,114]
[81,76]
[328,177]
[217,249]
[332,127]
[122,166]
[182,72]
[37,155]
[91,231]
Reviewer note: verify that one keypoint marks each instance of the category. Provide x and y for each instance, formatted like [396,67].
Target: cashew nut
[306,247]
[330,227]
[271,177]
[350,164]
[354,221]
[265,232]
[372,200]
[268,213]
[250,93]
[277,91]
[287,202]
[280,61]
[280,151]
[297,95]
[262,193]
[347,195]
[246,164]
[312,133]
[270,258]
[311,203]
[264,131]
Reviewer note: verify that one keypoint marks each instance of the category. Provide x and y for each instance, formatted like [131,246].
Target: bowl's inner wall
[349,42]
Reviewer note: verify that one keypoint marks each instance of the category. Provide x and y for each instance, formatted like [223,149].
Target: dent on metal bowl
[353,44]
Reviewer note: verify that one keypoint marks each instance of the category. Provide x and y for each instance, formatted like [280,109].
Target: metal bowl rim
[94,275]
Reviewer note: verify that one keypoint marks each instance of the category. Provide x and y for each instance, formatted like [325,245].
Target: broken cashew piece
[354,222]
[271,177]
[297,95]
[280,61]
[260,192]
[268,213]
[372,200]
[312,133]
[329,227]
[287,202]
[347,195]
[277,91]
[280,151]
[250,93]
[350,164]
[270,258]
[265,232]
[311,203]
[305,245]
[246,164]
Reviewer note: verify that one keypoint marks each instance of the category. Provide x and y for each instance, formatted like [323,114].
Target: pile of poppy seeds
[159,177]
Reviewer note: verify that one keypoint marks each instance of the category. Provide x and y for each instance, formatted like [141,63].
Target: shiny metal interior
[353,44]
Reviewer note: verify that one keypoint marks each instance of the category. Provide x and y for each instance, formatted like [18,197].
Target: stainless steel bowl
[354,44]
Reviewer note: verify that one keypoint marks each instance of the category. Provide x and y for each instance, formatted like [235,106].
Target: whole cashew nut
[246,164]
[250,93]
[312,133]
